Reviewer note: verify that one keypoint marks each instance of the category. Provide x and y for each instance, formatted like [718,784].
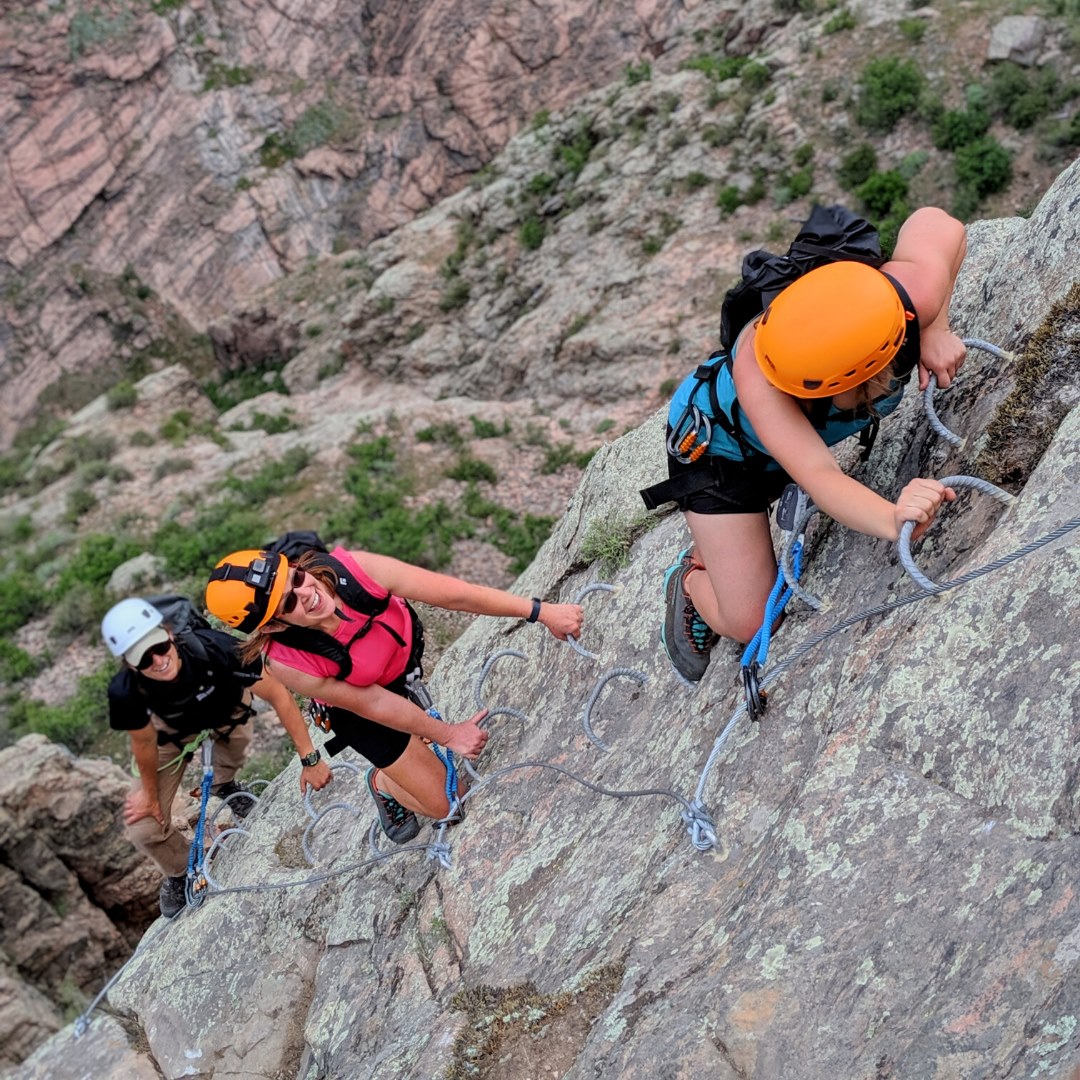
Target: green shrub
[77,722]
[171,466]
[273,479]
[273,424]
[954,129]
[80,501]
[842,20]
[729,198]
[20,600]
[242,385]
[541,119]
[1022,98]
[221,75]
[16,664]
[472,470]
[575,154]
[913,29]
[532,232]
[638,73]
[608,542]
[445,432]
[455,295]
[93,563]
[520,538]
[755,76]
[193,551]
[696,180]
[485,429]
[882,192]
[377,520]
[140,437]
[122,395]
[564,454]
[857,167]
[982,168]
[719,68]
[542,185]
[889,89]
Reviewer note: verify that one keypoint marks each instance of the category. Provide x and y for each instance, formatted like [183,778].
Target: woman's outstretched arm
[442,590]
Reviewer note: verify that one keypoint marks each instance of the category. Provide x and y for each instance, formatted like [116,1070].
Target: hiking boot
[173,896]
[399,823]
[687,638]
[245,801]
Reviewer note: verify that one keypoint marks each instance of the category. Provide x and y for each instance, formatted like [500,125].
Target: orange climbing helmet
[246,587]
[830,330]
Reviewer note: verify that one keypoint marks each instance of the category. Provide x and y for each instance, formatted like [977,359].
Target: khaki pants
[167,846]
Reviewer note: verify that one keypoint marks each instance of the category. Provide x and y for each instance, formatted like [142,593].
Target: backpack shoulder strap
[350,590]
[318,643]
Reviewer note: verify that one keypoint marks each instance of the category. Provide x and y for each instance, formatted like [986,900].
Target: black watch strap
[535,613]
[307,760]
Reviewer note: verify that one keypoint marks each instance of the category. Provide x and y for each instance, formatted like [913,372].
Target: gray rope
[489,663]
[211,851]
[932,416]
[596,586]
[881,609]
[628,673]
[903,545]
[931,386]
[228,799]
[309,794]
[787,559]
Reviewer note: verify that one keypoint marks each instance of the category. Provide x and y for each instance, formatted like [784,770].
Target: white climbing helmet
[127,623]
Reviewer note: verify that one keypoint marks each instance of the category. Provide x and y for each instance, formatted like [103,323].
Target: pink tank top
[377,657]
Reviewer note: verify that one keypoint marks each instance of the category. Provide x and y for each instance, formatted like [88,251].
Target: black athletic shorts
[381,745]
[735,487]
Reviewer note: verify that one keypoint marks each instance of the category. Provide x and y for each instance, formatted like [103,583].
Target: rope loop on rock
[903,544]
[586,716]
[596,586]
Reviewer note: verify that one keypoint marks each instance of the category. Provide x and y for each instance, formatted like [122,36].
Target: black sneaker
[243,803]
[399,823]
[687,638]
[173,896]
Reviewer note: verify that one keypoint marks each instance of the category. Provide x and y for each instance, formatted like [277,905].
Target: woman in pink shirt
[354,658]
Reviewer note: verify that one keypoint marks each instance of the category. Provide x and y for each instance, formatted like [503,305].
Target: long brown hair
[310,563]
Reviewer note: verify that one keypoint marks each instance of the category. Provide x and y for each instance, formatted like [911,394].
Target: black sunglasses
[289,600]
[147,658]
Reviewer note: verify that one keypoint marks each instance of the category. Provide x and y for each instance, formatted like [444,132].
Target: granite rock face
[74,895]
[894,890]
[204,149]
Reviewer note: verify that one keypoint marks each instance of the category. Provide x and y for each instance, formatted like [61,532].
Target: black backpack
[183,618]
[305,639]
[829,234]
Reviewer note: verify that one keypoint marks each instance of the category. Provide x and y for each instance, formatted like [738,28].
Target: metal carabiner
[756,699]
[690,435]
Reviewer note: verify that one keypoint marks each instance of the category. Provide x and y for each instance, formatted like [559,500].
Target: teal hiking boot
[687,638]
[399,823]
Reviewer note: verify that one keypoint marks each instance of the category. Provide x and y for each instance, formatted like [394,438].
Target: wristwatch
[307,760]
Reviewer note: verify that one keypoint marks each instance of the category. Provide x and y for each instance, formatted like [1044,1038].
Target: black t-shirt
[204,695]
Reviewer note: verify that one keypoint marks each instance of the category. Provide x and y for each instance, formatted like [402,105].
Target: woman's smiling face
[163,667]
[306,602]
